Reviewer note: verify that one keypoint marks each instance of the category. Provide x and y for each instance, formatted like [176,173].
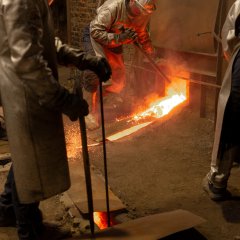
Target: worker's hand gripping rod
[137,45]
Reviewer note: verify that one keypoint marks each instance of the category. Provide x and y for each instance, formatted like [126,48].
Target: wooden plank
[152,227]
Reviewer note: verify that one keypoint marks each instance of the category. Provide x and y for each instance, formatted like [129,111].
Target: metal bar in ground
[86,162]
[104,154]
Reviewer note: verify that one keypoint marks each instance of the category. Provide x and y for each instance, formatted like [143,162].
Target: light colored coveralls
[221,163]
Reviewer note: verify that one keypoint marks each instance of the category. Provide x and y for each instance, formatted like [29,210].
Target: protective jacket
[111,17]
[32,99]
[231,46]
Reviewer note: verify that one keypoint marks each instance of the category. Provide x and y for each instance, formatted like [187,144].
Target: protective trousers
[28,217]
[115,59]
[230,142]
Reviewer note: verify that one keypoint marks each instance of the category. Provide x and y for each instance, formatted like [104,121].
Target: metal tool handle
[136,44]
[83,132]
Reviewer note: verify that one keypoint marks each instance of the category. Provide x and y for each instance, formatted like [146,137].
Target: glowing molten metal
[100,219]
[161,107]
[175,94]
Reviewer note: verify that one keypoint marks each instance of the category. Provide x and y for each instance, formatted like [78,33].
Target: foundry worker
[120,22]
[226,148]
[33,103]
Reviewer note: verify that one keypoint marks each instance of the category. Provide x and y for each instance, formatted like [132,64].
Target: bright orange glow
[100,219]
[154,107]
[159,107]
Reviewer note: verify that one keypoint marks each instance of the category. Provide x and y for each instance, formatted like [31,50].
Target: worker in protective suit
[226,148]
[33,102]
[117,23]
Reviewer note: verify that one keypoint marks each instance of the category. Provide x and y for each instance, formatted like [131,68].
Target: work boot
[30,222]
[215,194]
[92,122]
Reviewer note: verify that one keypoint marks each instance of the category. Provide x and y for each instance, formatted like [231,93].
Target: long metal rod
[183,78]
[152,62]
[104,154]
[87,172]
[86,162]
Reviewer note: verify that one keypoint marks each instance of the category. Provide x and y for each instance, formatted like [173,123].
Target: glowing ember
[100,219]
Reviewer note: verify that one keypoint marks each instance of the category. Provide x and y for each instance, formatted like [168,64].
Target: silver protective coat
[28,73]
[111,17]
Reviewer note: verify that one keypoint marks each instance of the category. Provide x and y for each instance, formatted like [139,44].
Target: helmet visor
[146,8]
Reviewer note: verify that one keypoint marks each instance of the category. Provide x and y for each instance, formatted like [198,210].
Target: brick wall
[81,12]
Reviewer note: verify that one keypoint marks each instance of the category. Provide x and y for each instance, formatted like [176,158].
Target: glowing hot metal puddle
[157,109]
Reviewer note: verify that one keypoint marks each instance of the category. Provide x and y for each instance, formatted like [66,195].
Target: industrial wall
[186,25]
[177,24]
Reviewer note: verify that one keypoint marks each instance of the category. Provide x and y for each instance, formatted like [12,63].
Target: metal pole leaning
[136,44]
[104,153]
[86,163]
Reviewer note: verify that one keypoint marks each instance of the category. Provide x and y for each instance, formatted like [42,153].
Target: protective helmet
[138,7]
[50,2]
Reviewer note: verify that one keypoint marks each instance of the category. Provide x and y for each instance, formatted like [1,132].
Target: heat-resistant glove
[74,107]
[148,48]
[90,81]
[127,36]
[68,55]
[100,66]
